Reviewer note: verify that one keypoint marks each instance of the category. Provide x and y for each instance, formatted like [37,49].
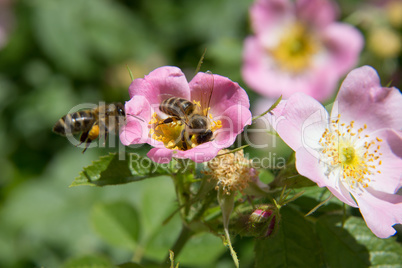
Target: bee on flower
[183,119]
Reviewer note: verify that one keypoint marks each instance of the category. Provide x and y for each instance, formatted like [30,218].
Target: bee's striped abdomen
[75,122]
[177,107]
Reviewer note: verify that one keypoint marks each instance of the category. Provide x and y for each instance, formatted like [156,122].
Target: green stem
[184,236]
[182,195]
[200,62]
[139,252]
[269,110]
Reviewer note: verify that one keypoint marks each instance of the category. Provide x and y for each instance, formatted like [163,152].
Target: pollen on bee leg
[94,132]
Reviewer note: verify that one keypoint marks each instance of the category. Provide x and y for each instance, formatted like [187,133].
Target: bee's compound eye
[121,111]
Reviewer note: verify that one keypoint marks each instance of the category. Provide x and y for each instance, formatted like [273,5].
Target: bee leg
[89,136]
[103,131]
[105,136]
[183,140]
[84,138]
[86,147]
[169,120]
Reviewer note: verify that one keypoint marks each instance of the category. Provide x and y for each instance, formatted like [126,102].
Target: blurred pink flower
[6,21]
[228,112]
[298,47]
[357,153]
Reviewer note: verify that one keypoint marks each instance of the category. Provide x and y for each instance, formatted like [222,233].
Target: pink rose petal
[161,84]
[362,99]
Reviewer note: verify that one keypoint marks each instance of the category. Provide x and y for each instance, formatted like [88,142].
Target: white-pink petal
[380,211]
[299,121]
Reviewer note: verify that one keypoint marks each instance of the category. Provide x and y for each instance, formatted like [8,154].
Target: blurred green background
[56,54]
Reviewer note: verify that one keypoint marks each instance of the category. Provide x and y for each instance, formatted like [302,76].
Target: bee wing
[206,94]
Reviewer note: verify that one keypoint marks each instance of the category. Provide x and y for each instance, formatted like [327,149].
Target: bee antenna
[212,90]
[136,117]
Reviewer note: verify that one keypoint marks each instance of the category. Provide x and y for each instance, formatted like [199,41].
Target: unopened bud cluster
[262,222]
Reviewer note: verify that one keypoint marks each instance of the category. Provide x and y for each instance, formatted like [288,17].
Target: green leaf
[117,223]
[340,248]
[130,265]
[78,35]
[312,196]
[290,178]
[294,245]
[88,262]
[112,170]
[162,239]
[201,250]
[383,252]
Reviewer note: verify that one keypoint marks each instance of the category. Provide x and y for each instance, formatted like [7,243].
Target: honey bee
[91,123]
[197,123]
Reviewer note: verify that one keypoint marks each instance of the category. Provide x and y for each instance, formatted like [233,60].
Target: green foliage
[323,242]
[100,31]
[112,170]
[88,262]
[117,223]
[340,248]
[63,53]
[202,250]
[294,245]
[383,252]
[290,178]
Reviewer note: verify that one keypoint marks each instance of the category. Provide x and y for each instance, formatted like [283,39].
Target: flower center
[173,134]
[295,50]
[350,153]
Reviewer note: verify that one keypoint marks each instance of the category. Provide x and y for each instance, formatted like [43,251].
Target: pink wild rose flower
[357,152]
[228,113]
[298,47]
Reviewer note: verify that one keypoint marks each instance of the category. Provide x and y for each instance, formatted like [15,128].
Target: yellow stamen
[296,48]
[341,148]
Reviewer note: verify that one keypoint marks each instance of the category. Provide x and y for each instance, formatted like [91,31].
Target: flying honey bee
[91,123]
[196,121]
